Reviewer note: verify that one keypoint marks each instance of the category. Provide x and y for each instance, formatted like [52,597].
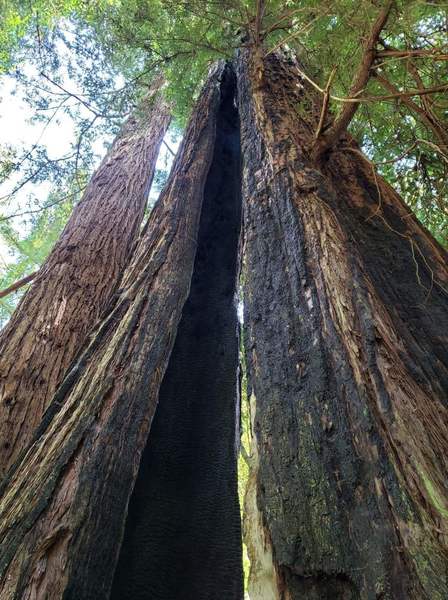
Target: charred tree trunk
[64,505]
[346,318]
[183,536]
[78,278]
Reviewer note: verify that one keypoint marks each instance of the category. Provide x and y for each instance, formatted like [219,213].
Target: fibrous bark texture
[346,319]
[64,504]
[183,537]
[78,278]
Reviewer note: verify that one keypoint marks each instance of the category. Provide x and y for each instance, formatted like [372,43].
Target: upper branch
[359,82]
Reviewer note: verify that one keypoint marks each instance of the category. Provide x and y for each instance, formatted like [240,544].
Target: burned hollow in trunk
[182,538]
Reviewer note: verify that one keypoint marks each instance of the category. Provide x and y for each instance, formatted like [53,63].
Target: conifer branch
[18,284]
[426,118]
[359,83]
[434,54]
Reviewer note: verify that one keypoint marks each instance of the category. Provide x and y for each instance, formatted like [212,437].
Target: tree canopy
[92,61]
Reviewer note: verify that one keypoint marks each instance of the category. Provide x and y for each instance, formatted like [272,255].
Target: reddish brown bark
[64,505]
[77,279]
[346,317]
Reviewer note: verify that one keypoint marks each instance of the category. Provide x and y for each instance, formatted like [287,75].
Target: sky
[16,129]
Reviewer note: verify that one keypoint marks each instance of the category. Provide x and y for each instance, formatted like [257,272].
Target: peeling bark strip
[183,536]
[77,279]
[64,505]
[346,318]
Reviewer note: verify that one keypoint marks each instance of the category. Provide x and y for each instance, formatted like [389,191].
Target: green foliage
[333,35]
[110,51]
[183,38]
[19,18]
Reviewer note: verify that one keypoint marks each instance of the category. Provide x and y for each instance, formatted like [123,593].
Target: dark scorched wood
[183,537]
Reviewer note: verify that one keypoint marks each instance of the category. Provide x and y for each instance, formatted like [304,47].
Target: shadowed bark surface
[183,539]
[346,319]
[75,283]
[63,506]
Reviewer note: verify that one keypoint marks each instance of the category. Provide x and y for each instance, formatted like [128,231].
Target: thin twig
[287,15]
[405,98]
[385,162]
[72,95]
[325,103]
[34,174]
[369,99]
[42,208]
[173,153]
[294,34]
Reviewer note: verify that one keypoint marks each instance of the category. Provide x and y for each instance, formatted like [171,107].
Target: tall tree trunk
[346,318]
[64,507]
[78,278]
[183,536]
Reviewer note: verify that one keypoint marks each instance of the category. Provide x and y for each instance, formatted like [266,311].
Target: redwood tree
[74,285]
[344,326]
[64,504]
[345,315]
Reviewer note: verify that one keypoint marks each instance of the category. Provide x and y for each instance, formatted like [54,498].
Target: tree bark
[183,536]
[64,504]
[78,278]
[345,321]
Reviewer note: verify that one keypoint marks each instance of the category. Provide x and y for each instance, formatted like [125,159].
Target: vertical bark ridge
[183,537]
[346,317]
[63,506]
[78,278]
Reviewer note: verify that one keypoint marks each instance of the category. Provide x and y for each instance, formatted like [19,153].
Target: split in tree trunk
[346,318]
[64,504]
[183,537]
[78,278]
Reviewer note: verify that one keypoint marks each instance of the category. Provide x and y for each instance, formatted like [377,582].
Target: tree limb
[359,82]
[258,20]
[18,284]
[434,54]
[325,103]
